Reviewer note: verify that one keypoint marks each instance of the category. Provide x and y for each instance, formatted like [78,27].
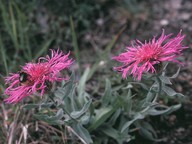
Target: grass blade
[75,44]
[3,54]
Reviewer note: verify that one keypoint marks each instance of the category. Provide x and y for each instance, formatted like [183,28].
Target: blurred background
[94,31]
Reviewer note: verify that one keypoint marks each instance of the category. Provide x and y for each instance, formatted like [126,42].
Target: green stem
[159,88]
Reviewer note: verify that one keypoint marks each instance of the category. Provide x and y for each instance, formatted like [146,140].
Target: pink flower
[142,57]
[37,77]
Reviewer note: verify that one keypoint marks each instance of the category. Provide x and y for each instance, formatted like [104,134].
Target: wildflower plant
[121,110]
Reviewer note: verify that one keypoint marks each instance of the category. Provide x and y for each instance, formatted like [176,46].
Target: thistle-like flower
[143,57]
[37,77]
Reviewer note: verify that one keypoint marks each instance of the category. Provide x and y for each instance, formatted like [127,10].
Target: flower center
[38,71]
[148,53]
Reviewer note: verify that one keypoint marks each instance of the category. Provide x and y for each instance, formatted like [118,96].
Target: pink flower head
[142,57]
[37,77]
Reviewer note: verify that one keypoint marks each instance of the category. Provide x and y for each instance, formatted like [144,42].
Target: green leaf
[60,93]
[75,43]
[82,81]
[163,109]
[165,79]
[43,105]
[147,130]
[81,86]
[173,108]
[170,92]
[101,116]
[31,106]
[85,119]
[114,117]
[116,135]
[108,130]
[72,77]
[77,114]
[66,90]
[144,86]
[107,94]
[127,124]
[3,55]
[146,133]
[59,114]
[83,133]
[176,74]
[149,97]
[55,120]
[128,102]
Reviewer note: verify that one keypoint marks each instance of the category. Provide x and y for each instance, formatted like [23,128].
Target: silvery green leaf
[30,106]
[83,133]
[81,86]
[128,102]
[173,108]
[148,127]
[165,66]
[101,116]
[43,105]
[85,119]
[114,117]
[170,92]
[116,88]
[67,105]
[164,109]
[72,77]
[107,94]
[116,135]
[147,134]
[127,124]
[77,114]
[144,86]
[176,74]
[58,115]
[66,90]
[149,97]
[51,119]
[129,86]
[60,92]
[165,79]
